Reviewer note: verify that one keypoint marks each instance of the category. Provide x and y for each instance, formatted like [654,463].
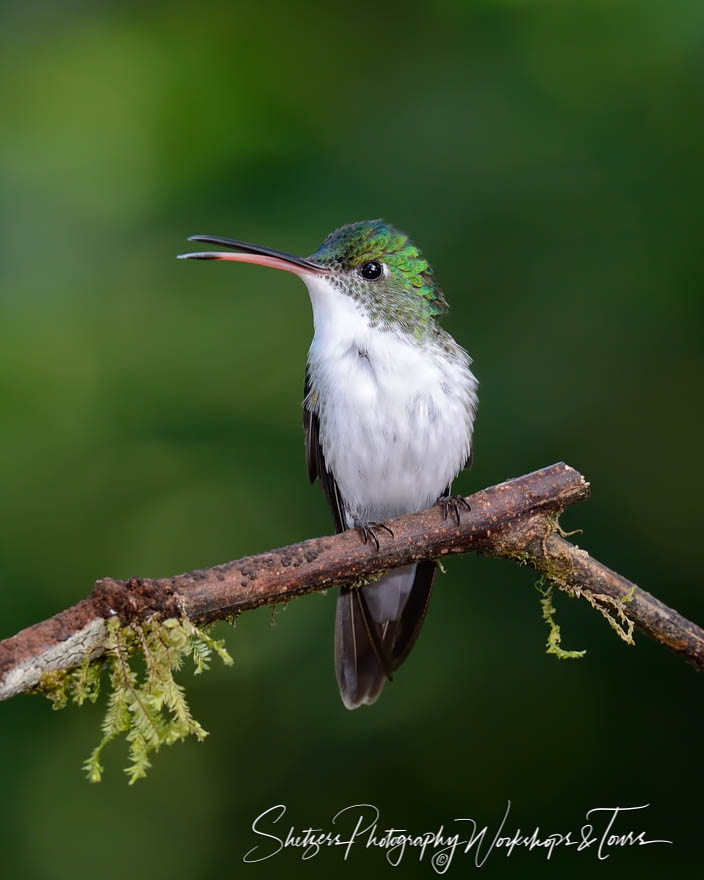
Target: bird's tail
[375,628]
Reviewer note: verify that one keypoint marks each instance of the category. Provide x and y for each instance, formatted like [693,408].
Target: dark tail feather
[369,649]
[361,671]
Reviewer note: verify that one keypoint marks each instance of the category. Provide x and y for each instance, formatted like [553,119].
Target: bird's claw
[453,502]
[366,530]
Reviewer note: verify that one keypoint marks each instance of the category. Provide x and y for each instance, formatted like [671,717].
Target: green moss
[369,579]
[79,684]
[554,642]
[611,608]
[151,710]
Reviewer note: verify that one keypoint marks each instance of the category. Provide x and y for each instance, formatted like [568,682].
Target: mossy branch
[515,520]
[162,618]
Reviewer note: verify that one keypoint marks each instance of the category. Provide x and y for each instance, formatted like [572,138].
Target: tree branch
[515,520]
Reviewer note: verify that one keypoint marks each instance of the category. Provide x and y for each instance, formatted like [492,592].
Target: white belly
[395,416]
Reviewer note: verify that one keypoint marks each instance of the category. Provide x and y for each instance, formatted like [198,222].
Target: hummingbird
[388,414]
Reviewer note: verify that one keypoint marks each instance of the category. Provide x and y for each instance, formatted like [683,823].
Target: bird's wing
[470,461]
[315,461]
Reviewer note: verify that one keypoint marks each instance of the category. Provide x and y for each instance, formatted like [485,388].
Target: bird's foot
[367,531]
[452,503]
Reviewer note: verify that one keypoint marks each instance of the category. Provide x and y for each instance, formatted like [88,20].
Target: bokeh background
[548,159]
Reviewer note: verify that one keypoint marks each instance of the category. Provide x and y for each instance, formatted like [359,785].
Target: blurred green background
[548,159]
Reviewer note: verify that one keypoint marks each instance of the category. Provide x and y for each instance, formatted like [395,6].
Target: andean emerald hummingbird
[388,413]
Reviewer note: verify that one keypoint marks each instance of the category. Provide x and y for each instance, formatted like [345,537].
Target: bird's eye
[372,271]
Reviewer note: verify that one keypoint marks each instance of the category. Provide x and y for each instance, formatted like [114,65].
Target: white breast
[395,416]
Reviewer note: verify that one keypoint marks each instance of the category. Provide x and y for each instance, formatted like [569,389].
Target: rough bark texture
[516,520]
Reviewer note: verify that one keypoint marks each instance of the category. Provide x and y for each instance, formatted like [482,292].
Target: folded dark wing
[315,462]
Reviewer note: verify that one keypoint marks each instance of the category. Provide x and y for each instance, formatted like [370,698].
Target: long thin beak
[253,253]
